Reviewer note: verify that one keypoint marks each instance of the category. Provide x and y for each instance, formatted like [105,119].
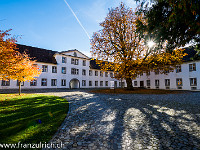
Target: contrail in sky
[77,18]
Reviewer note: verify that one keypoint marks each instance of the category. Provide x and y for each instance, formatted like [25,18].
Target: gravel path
[131,121]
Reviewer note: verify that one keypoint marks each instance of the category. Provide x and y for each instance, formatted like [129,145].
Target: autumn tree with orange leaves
[119,47]
[15,65]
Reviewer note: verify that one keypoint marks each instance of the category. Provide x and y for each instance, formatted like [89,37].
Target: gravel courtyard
[131,121]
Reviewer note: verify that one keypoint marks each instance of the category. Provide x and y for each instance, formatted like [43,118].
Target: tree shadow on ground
[134,121]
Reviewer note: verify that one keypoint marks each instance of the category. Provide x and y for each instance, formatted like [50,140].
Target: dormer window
[75,54]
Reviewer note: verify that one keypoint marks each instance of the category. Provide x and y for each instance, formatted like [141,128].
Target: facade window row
[73,61]
[179,82]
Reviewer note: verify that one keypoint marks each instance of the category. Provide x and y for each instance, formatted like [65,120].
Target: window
[64,60]
[192,67]
[75,54]
[74,71]
[166,71]
[90,83]
[44,82]
[33,82]
[106,74]
[44,68]
[179,82]
[111,75]
[84,62]
[90,72]
[22,83]
[157,83]
[167,82]
[63,82]
[148,83]
[101,73]
[84,72]
[141,73]
[193,81]
[101,83]
[5,83]
[106,83]
[96,73]
[53,82]
[63,71]
[83,82]
[178,68]
[135,83]
[76,61]
[96,83]
[147,73]
[72,61]
[54,69]
[156,72]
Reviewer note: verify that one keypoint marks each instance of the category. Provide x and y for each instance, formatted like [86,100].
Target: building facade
[68,69]
[73,69]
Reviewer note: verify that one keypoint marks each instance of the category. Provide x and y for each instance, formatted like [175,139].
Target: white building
[68,69]
[73,69]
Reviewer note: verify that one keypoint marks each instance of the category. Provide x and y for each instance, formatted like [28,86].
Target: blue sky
[51,25]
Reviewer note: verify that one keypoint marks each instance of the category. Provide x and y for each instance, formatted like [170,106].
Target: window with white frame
[101,73]
[148,83]
[156,72]
[75,54]
[83,82]
[90,83]
[63,71]
[76,62]
[53,82]
[178,68]
[64,60]
[147,73]
[167,82]
[111,75]
[84,62]
[54,69]
[157,83]
[72,60]
[5,83]
[44,82]
[84,72]
[90,72]
[193,81]
[96,73]
[135,83]
[22,83]
[106,83]
[44,68]
[33,82]
[101,83]
[192,67]
[63,82]
[74,71]
[179,82]
[96,83]
[106,74]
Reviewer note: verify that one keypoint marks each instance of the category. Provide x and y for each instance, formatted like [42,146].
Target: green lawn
[30,118]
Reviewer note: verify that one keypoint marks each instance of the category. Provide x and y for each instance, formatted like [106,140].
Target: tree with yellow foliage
[15,65]
[119,47]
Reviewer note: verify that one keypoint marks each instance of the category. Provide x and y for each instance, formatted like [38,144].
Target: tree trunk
[19,87]
[129,83]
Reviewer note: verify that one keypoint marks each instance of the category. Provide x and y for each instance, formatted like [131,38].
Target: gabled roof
[74,50]
[38,54]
